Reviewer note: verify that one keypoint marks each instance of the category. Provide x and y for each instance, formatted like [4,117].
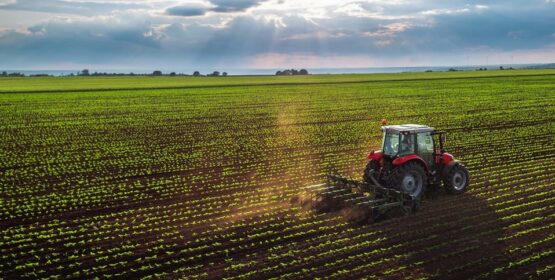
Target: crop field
[182,177]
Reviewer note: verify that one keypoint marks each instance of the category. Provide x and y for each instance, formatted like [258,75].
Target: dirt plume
[358,214]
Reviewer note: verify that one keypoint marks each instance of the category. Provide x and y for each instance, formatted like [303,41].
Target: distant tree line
[478,69]
[500,68]
[17,74]
[13,74]
[291,72]
[86,72]
[215,74]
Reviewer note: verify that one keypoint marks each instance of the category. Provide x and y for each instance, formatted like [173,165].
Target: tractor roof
[411,128]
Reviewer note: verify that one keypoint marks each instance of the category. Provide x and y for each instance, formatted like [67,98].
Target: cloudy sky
[220,34]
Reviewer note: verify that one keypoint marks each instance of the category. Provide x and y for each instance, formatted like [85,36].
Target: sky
[258,34]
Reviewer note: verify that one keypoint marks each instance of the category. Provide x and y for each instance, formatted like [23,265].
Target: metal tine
[313,186]
[388,191]
[335,191]
[324,189]
[372,202]
[347,195]
[354,200]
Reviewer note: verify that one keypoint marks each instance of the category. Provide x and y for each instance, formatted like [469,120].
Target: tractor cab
[412,139]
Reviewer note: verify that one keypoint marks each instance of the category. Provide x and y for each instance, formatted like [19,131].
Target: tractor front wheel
[456,180]
[409,178]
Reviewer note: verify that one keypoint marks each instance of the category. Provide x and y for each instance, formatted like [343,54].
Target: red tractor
[412,158]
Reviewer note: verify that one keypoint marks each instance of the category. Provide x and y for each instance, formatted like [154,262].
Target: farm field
[182,177]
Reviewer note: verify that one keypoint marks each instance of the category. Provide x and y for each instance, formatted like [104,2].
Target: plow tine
[313,186]
[334,192]
[324,189]
[372,202]
[356,200]
[347,195]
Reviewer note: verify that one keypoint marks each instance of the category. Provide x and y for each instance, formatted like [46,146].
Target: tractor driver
[406,144]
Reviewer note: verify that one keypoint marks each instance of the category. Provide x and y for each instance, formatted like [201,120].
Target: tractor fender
[447,158]
[375,155]
[405,159]
[444,158]
[448,167]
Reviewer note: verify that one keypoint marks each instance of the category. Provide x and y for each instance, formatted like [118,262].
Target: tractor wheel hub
[459,180]
[411,184]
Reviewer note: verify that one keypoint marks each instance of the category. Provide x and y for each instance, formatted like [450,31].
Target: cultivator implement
[359,201]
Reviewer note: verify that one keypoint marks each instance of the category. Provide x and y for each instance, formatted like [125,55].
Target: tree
[501,68]
[4,73]
[85,72]
[172,74]
[224,74]
[289,72]
[215,73]
[157,73]
[196,74]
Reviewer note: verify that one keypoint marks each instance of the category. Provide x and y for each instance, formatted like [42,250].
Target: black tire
[456,181]
[372,165]
[409,178]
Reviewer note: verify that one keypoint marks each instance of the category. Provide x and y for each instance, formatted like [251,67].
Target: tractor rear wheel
[372,165]
[456,179]
[409,178]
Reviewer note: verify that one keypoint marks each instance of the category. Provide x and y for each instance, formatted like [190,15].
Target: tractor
[412,158]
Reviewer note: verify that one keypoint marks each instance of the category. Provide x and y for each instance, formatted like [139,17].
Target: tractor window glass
[390,144]
[425,142]
[406,145]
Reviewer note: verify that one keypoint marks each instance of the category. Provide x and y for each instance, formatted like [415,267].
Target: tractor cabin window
[425,142]
[406,146]
[390,144]
[426,147]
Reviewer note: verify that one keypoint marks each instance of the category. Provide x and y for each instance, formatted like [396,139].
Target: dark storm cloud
[220,6]
[186,11]
[234,6]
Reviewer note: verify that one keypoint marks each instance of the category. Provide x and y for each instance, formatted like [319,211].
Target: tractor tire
[456,180]
[372,165]
[409,178]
